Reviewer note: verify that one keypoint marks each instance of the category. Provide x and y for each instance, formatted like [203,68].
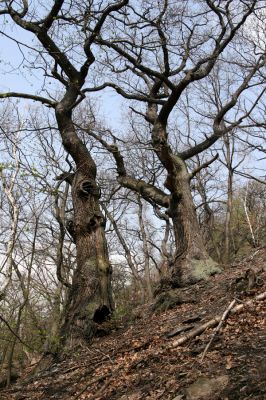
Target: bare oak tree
[90,297]
[155,55]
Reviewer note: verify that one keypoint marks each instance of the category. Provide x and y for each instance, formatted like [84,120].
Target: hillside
[139,358]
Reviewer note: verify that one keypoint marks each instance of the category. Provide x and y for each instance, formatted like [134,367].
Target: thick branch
[33,97]
[126,95]
[48,21]
[71,141]
[47,42]
[149,192]
[60,57]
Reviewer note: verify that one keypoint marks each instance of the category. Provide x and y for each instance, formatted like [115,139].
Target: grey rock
[206,388]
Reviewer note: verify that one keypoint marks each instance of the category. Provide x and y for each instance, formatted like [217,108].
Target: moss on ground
[203,269]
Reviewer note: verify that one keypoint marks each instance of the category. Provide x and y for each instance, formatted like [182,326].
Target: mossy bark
[90,293]
[91,285]
[191,261]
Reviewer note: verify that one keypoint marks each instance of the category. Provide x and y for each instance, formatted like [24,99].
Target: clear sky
[11,71]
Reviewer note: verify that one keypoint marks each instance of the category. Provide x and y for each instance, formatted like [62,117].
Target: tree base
[197,270]
[187,273]
[170,299]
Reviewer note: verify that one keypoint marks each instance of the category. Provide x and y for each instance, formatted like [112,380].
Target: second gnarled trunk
[191,261]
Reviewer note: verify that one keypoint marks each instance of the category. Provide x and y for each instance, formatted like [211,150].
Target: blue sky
[14,76]
[11,71]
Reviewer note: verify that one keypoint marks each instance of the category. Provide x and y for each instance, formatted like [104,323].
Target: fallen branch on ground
[215,321]
[224,316]
[179,330]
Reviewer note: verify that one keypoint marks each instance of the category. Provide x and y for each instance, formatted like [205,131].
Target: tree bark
[89,299]
[229,204]
[191,262]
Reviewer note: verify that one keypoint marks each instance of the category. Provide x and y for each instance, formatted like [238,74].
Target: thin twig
[215,321]
[99,378]
[224,316]
[14,333]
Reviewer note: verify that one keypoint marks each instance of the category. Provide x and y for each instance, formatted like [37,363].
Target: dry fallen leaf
[229,362]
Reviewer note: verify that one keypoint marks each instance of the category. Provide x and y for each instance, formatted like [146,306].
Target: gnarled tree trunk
[191,261]
[90,298]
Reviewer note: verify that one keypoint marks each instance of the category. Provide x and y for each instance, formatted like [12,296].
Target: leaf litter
[137,359]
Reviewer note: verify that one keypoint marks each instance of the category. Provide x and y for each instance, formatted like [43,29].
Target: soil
[136,360]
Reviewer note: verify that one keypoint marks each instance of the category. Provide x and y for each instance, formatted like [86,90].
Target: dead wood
[192,318]
[196,331]
[224,316]
[179,330]
[215,321]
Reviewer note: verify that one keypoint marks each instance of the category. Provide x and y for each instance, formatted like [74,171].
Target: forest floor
[138,360]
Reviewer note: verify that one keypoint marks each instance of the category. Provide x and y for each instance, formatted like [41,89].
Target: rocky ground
[140,359]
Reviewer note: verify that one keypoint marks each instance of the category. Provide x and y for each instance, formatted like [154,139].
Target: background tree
[167,54]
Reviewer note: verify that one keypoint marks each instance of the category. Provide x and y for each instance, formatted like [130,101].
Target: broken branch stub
[89,187]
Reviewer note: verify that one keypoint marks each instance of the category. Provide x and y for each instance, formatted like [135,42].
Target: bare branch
[204,165]
[33,97]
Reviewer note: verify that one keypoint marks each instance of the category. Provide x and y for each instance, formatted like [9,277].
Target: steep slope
[139,360]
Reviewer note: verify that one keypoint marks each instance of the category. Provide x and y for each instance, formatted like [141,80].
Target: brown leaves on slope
[138,361]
